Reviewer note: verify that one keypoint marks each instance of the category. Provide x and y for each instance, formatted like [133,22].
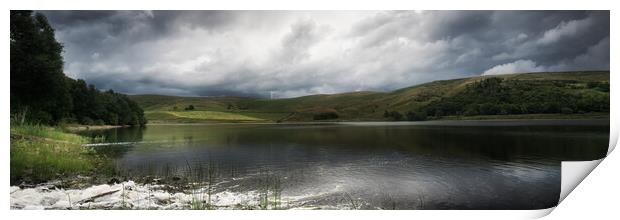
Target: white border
[594,187]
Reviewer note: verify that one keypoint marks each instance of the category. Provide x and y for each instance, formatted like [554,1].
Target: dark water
[431,165]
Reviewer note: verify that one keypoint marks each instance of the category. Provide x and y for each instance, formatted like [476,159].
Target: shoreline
[130,195]
[93,127]
[124,195]
[448,119]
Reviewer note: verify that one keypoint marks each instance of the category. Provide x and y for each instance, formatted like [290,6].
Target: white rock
[133,196]
[14,188]
[162,197]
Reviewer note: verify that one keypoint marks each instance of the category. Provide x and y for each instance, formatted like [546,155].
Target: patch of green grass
[197,116]
[37,161]
[214,115]
[47,132]
[270,116]
[40,153]
[169,103]
[159,115]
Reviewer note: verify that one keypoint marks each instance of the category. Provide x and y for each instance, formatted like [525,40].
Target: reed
[270,193]
[354,204]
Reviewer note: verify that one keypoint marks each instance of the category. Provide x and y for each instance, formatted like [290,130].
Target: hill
[540,95]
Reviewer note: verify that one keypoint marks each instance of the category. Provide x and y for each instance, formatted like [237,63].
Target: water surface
[407,165]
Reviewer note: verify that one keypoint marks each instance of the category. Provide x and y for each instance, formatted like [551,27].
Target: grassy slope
[40,153]
[349,106]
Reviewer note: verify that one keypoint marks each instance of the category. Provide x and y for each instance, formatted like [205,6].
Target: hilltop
[525,95]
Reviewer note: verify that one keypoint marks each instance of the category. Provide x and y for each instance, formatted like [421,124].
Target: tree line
[497,96]
[41,92]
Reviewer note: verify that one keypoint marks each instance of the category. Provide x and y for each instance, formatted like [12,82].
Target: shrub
[416,116]
[397,116]
[325,116]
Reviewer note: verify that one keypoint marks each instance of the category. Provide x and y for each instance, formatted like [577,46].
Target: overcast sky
[295,53]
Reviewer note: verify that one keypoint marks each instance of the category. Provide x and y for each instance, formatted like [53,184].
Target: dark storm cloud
[292,53]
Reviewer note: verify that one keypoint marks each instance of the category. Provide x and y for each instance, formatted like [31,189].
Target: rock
[14,188]
[162,197]
[125,195]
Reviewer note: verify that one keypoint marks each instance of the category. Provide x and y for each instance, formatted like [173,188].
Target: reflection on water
[430,165]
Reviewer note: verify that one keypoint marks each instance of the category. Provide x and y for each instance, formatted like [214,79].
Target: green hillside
[541,95]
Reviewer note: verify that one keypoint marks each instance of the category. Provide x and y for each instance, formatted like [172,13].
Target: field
[211,116]
[549,91]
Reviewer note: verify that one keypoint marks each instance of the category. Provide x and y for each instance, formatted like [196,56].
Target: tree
[509,96]
[325,116]
[416,115]
[42,93]
[37,79]
[397,116]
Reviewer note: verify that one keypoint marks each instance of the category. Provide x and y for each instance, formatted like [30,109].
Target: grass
[211,116]
[198,116]
[169,103]
[200,199]
[354,203]
[270,193]
[214,115]
[46,132]
[40,153]
[352,106]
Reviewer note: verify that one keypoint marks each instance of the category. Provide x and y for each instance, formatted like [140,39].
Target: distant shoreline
[447,119]
[93,127]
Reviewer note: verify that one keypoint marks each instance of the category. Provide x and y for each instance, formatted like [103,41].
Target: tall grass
[53,133]
[38,161]
[270,193]
[201,200]
[354,203]
[39,153]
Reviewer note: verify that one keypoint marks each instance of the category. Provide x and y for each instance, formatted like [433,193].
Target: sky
[295,53]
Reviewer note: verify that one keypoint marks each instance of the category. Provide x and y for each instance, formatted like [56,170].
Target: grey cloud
[302,36]
[292,53]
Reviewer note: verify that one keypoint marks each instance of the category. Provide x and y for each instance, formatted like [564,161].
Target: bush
[325,116]
[471,110]
[396,116]
[416,116]
[496,96]
[40,117]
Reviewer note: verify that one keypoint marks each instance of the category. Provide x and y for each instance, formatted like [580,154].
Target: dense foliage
[189,108]
[325,116]
[41,93]
[496,96]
